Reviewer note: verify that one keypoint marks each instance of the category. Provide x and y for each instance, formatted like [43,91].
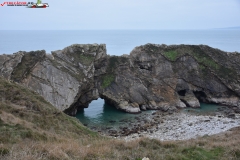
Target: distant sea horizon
[118,42]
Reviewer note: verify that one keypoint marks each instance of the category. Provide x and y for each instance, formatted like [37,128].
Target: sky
[122,14]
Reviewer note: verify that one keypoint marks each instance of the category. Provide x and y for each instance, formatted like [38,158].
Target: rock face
[152,77]
[65,78]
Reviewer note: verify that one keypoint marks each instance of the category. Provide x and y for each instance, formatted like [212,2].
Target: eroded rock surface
[152,77]
[65,78]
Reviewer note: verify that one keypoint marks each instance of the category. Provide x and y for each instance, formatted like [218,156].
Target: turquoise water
[205,109]
[118,42]
[100,115]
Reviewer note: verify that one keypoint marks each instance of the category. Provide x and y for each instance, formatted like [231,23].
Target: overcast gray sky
[123,14]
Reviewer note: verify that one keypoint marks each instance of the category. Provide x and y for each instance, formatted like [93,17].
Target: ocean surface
[118,42]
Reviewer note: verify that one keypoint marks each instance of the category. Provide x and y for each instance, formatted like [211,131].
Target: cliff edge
[151,77]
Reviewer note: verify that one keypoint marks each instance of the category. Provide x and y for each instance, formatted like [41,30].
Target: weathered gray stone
[8,63]
[152,77]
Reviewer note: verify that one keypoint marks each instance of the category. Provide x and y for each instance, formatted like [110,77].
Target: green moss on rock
[28,61]
[107,80]
[86,59]
[208,62]
[171,55]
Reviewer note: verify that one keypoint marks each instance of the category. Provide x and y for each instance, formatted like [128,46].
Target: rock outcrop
[65,78]
[152,77]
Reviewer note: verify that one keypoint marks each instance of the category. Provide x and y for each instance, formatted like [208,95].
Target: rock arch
[148,78]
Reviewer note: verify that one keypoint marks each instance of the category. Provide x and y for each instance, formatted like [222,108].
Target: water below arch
[100,116]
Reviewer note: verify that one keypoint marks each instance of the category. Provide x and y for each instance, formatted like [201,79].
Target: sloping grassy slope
[31,128]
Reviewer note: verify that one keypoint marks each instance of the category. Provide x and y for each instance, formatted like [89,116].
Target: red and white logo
[39,4]
[14,4]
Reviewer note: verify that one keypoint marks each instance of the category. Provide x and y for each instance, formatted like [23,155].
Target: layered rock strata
[152,77]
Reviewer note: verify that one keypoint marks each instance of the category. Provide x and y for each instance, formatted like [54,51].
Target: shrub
[4,151]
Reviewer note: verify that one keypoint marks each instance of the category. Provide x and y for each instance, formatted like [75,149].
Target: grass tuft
[4,151]
[107,80]
[171,55]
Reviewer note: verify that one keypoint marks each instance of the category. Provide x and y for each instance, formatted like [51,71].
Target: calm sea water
[204,109]
[101,116]
[118,42]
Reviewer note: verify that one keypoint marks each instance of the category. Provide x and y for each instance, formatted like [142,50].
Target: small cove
[102,117]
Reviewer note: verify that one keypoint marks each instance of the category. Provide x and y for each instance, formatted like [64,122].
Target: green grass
[28,106]
[171,55]
[15,133]
[107,80]
[198,153]
[113,63]
[32,128]
[4,151]
[205,62]
[86,59]
[155,149]
[197,54]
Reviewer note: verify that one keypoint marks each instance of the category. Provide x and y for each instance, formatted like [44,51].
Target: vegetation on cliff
[29,60]
[203,59]
[109,77]
[171,55]
[31,128]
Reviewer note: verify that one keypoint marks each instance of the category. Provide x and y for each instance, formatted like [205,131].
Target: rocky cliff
[151,77]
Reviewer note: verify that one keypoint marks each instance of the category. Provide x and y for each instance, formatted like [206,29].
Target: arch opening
[105,118]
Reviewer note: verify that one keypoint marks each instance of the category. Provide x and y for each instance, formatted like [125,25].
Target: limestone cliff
[151,77]
[165,77]
[65,78]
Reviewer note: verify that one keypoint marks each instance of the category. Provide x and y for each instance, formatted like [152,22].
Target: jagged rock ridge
[151,77]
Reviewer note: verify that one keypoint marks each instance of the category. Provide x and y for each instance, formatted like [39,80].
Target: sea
[118,42]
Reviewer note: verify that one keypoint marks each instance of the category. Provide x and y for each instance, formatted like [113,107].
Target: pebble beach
[183,126]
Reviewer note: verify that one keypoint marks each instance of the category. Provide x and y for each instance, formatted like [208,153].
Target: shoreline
[184,126]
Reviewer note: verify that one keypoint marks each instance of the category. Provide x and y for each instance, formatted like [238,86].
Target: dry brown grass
[215,147]
[32,129]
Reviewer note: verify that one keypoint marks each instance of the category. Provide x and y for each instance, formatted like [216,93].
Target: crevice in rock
[185,102]
[182,92]
[146,66]
[201,96]
[191,73]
